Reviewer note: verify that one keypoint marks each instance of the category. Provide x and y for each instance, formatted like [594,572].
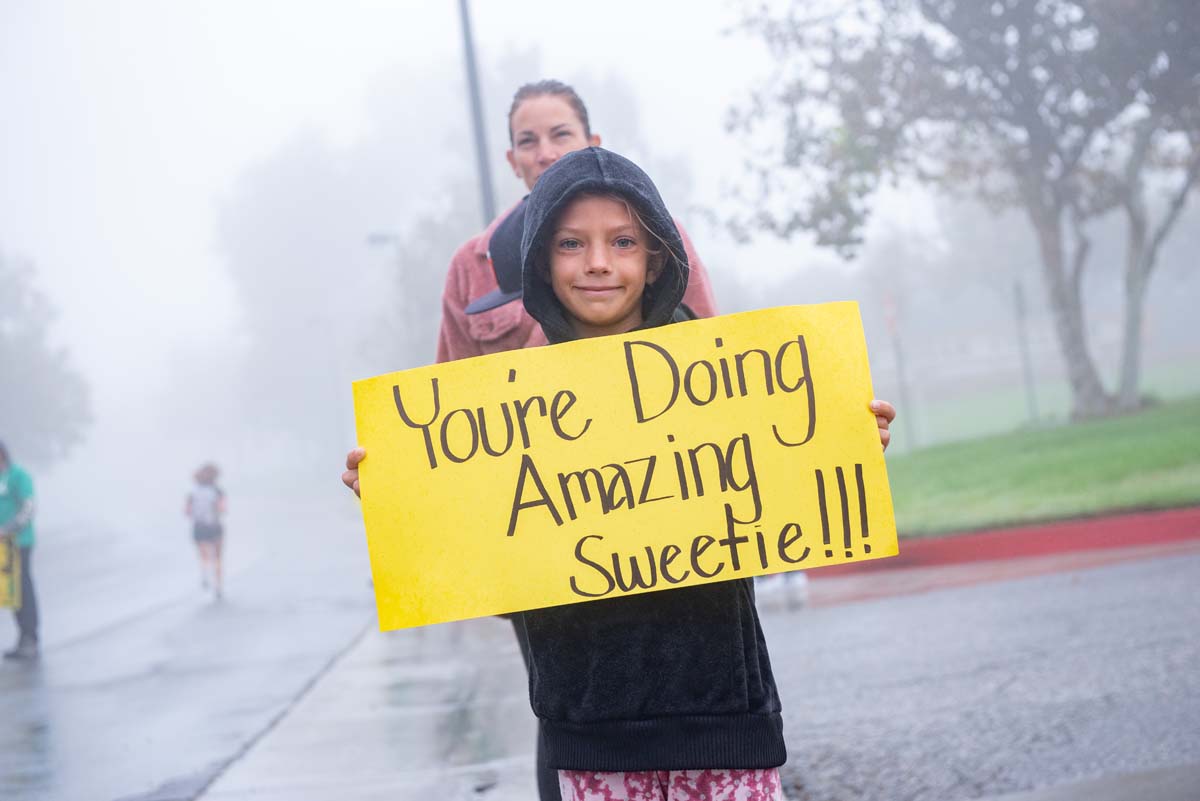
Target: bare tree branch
[1178,201]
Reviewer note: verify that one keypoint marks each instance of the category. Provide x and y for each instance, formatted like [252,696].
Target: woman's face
[544,129]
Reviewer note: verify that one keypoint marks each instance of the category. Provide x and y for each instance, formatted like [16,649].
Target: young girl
[547,120]
[664,695]
[205,506]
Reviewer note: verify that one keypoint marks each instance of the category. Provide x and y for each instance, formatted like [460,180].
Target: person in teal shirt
[16,524]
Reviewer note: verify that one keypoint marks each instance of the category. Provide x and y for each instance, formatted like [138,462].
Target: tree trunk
[1088,398]
[1128,396]
[1140,257]
[1137,274]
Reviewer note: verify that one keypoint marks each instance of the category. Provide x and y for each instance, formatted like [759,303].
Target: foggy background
[193,185]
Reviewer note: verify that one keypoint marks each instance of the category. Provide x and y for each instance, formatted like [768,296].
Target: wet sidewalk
[442,712]
[438,712]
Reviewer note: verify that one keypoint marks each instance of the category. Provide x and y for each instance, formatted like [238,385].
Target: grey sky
[127,124]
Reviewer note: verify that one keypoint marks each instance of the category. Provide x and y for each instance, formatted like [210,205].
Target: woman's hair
[549,87]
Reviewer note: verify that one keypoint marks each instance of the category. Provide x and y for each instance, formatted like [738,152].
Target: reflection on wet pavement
[26,733]
[147,688]
[440,712]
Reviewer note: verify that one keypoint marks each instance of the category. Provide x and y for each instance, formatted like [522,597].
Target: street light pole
[890,315]
[1023,342]
[481,157]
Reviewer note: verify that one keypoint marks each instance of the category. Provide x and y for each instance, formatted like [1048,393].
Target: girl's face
[600,265]
[544,129]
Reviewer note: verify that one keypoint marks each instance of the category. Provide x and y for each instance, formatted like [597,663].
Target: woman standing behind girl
[547,120]
[206,506]
[662,695]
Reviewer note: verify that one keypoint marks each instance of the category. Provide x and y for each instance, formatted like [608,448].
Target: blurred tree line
[1069,112]
[44,401]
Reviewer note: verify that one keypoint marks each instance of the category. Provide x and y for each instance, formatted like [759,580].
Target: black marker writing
[702,381]
[459,434]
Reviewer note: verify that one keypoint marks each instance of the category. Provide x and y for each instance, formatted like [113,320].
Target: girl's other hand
[885,413]
[350,477]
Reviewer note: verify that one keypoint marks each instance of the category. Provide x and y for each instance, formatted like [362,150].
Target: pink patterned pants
[671,785]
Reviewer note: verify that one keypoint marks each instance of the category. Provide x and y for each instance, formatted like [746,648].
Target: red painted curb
[1089,534]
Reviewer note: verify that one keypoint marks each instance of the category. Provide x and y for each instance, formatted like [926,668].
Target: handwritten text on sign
[702,451]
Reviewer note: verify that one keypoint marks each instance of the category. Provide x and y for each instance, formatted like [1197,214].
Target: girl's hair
[4,454]
[207,474]
[549,87]
[657,249]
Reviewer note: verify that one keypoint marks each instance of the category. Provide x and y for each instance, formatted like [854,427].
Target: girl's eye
[569,244]
[561,134]
[626,242]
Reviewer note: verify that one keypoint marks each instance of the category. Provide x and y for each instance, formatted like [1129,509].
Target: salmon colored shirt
[508,327]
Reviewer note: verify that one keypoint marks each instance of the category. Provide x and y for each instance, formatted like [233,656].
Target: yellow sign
[702,451]
[10,575]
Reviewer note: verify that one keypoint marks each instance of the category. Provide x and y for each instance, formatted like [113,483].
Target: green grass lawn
[1146,460]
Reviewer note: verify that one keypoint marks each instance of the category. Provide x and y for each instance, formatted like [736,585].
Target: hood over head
[595,170]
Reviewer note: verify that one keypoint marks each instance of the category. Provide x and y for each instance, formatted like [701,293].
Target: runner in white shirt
[206,506]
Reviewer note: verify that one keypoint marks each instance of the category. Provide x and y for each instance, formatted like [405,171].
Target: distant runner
[206,506]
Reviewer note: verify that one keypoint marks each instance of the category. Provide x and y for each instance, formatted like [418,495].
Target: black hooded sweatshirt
[670,680]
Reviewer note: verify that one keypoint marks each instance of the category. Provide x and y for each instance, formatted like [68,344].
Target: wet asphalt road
[148,688]
[994,688]
[970,692]
[955,694]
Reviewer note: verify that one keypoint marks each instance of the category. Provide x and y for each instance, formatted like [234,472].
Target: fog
[214,217]
[194,186]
